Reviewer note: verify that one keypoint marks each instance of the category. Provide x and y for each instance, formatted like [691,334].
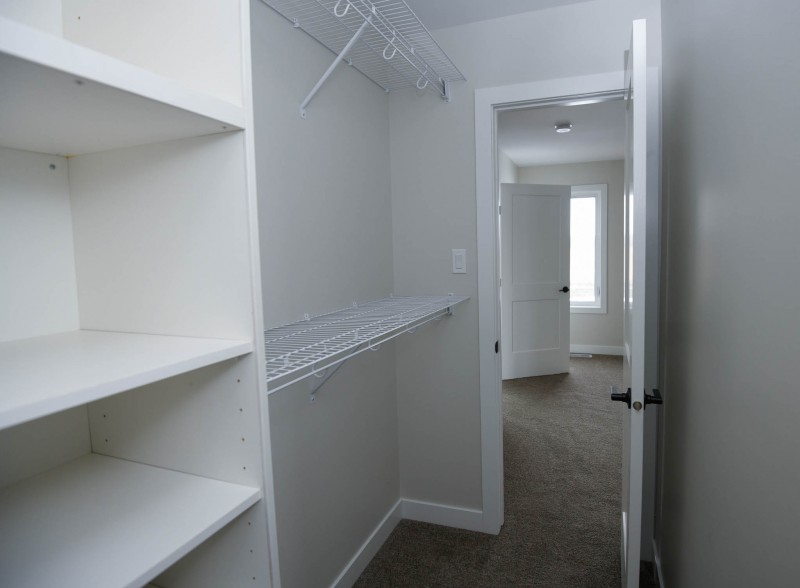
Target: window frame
[600,193]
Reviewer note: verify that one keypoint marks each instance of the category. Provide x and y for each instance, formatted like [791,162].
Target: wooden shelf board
[102,103]
[100,521]
[43,375]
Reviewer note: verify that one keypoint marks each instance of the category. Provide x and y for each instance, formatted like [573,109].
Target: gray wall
[433,207]
[507,170]
[730,514]
[325,221]
[584,328]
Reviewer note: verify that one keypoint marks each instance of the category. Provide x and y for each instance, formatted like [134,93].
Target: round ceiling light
[564,127]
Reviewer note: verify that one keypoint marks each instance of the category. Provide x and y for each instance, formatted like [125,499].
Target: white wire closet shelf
[383,39]
[311,347]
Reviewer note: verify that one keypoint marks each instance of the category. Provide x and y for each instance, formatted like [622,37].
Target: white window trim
[600,192]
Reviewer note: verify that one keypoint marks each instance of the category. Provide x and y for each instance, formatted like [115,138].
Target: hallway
[562,454]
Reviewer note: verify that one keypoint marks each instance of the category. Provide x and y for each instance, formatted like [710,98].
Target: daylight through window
[587,248]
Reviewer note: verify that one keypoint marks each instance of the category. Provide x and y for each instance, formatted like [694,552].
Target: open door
[534,281]
[640,299]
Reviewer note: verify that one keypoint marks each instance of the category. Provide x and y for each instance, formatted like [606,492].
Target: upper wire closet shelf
[383,39]
[319,345]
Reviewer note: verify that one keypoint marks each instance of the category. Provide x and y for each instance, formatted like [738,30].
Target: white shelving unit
[99,521]
[132,447]
[313,346]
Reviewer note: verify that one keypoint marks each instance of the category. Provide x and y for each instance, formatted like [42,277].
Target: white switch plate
[459,261]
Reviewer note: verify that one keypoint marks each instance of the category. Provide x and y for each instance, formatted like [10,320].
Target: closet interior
[135,430]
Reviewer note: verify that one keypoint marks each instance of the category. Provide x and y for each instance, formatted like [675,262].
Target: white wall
[595,329]
[507,171]
[433,207]
[325,223]
[731,477]
[201,48]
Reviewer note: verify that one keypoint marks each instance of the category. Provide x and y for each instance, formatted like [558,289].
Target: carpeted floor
[562,448]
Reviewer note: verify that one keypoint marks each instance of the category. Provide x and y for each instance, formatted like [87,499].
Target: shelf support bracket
[316,383]
[329,71]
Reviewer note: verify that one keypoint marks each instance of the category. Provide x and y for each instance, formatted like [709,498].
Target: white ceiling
[528,136]
[440,14]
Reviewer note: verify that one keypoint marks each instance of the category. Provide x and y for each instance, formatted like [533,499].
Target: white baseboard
[356,566]
[597,349]
[440,514]
[657,561]
[415,510]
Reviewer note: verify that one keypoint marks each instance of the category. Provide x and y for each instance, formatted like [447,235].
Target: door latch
[654,398]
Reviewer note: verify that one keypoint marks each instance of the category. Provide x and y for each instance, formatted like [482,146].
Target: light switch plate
[459,261]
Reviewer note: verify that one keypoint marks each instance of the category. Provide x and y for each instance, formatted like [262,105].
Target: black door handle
[654,398]
[620,397]
[565,289]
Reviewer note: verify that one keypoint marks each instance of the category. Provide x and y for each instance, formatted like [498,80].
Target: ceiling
[528,136]
[440,14]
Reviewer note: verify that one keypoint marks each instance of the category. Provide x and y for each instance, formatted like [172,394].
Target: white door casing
[534,229]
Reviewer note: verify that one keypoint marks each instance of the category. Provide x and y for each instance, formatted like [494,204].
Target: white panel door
[640,296]
[534,281]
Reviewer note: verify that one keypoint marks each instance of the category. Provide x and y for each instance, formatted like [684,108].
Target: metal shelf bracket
[337,61]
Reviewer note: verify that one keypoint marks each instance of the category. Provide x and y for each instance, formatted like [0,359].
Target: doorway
[560,166]
[489,104]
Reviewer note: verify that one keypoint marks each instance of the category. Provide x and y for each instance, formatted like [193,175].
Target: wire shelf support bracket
[383,39]
[329,71]
[319,346]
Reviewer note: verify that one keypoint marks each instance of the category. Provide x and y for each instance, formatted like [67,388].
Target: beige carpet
[562,445]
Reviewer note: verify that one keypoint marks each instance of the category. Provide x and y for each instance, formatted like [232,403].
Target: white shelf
[99,521]
[312,346]
[61,98]
[395,50]
[43,375]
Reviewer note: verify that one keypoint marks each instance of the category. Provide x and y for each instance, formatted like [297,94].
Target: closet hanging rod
[395,50]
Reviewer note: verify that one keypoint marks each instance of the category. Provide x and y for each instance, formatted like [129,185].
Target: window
[587,256]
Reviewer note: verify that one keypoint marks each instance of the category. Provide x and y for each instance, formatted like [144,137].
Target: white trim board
[487,102]
[356,566]
[597,349]
[413,510]
[441,514]
[657,561]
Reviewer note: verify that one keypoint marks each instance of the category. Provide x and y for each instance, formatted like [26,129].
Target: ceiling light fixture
[564,127]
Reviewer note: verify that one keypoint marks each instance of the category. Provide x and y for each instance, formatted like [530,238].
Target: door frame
[488,102]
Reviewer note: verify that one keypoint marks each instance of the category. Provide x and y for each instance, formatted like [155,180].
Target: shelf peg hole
[336,9]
